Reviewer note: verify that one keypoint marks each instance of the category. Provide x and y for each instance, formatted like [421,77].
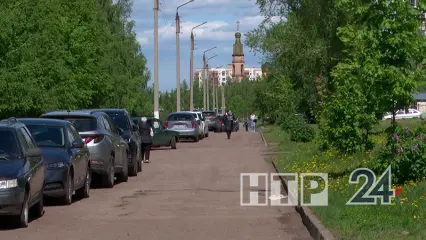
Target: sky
[219,31]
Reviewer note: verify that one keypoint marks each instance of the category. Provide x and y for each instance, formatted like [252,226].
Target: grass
[404,219]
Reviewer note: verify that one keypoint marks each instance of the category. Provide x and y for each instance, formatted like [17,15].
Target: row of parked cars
[196,125]
[59,154]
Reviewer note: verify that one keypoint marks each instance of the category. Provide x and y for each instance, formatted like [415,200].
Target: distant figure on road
[253,120]
[228,120]
[146,138]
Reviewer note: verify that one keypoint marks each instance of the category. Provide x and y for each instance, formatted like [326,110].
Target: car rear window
[180,117]
[209,114]
[47,136]
[82,124]
[8,145]
[120,120]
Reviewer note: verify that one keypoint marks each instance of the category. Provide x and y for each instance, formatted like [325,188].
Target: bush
[297,128]
[405,151]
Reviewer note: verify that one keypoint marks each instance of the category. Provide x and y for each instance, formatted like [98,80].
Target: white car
[402,114]
[204,131]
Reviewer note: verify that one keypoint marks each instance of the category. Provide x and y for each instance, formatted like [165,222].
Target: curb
[311,222]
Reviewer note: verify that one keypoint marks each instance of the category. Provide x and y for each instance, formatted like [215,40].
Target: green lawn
[404,219]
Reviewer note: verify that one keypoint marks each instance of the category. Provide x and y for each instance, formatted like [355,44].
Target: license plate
[179,126]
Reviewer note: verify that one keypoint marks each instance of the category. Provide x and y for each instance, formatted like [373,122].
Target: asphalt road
[192,192]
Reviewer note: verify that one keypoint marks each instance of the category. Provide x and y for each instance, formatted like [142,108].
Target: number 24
[371,190]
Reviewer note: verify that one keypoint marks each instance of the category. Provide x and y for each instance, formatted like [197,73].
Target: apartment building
[221,75]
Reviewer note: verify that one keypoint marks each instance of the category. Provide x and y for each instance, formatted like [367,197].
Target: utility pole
[204,83]
[178,56]
[208,85]
[191,69]
[223,98]
[214,92]
[205,80]
[156,100]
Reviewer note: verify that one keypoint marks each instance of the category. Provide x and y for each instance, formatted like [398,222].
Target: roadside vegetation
[70,55]
[334,68]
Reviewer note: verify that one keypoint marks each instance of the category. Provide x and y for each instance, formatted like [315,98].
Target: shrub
[297,128]
[405,151]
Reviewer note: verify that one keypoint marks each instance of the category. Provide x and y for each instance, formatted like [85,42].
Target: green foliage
[405,151]
[80,54]
[378,69]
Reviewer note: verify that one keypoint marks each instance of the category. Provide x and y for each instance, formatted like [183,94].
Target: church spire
[238,46]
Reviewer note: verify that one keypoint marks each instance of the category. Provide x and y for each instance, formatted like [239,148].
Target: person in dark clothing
[228,120]
[147,133]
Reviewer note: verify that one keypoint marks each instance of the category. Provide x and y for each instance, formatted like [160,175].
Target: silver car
[185,123]
[108,151]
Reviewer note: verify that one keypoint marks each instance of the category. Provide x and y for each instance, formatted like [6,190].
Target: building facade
[224,74]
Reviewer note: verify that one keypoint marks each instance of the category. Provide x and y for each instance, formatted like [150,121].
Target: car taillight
[95,139]
[193,125]
[166,125]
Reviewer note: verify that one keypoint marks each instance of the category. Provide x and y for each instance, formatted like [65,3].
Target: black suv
[22,172]
[130,132]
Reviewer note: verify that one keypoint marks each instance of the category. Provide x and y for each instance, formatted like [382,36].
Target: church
[235,71]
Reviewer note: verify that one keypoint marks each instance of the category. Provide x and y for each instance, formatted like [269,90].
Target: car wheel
[23,217]
[38,209]
[134,169]
[202,135]
[67,198]
[196,139]
[173,143]
[207,134]
[109,178]
[124,175]
[84,192]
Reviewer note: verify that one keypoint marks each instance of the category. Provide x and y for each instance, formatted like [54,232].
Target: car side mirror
[135,128]
[77,144]
[120,131]
[33,152]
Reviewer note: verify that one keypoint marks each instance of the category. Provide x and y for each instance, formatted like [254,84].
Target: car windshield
[83,124]
[209,114]
[47,136]
[8,145]
[180,117]
[120,120]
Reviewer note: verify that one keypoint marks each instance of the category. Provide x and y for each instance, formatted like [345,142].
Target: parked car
[65,155]
[129,132]
[203,125]
[211,120]
[22,173]
[404,114]
[162,136]
[185,123]
[199,122]
[108,151]
[220,124]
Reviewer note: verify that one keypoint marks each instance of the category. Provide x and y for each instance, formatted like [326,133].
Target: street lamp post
[215,89]
[178,56]
[205,80]
[191,69]
[208,85]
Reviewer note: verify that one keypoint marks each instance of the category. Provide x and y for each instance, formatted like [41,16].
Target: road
[192,192]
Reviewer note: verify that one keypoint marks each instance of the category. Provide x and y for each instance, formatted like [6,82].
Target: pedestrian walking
[228,120]
[253,119]
[145,129]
